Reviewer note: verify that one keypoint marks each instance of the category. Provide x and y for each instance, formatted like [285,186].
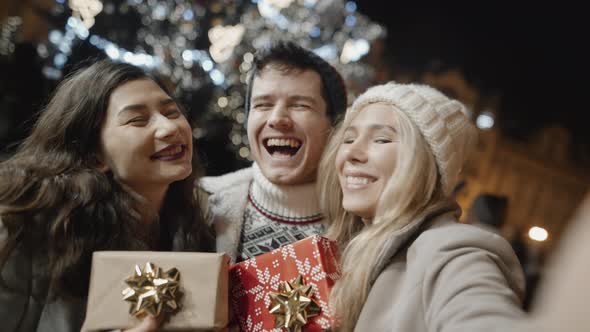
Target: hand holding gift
[148,324]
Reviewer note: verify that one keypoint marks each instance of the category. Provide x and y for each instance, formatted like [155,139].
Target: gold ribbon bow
[292,306]
[152,291]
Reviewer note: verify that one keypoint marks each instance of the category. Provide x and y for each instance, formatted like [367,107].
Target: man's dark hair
[289,55]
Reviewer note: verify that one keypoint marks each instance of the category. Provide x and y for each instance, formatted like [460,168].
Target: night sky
[530,54]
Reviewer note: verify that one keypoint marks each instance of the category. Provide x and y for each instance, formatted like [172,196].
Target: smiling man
[293,100]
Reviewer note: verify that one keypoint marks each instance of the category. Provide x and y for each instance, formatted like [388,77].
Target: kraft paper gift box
[202,284]
[253,281]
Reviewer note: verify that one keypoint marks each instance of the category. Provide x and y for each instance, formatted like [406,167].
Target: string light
[8,31]
[223,41]
[538,234]
[86,10]
[485,120]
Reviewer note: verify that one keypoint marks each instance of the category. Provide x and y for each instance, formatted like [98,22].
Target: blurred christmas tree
[22,85]
[206,49]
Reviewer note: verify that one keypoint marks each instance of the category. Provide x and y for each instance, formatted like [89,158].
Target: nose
[280,118]
[355,152]
[166,128]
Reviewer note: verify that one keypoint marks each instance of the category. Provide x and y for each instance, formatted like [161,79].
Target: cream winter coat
[228,196]
[443,276]
[561,302]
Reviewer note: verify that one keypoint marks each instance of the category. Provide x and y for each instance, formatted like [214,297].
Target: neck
[154,198]
[287,203]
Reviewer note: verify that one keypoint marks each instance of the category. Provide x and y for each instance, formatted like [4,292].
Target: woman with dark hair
[108,166]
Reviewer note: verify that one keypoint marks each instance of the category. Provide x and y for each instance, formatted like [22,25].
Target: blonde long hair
[413,191]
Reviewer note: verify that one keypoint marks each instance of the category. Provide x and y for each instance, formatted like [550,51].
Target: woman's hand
[149,324]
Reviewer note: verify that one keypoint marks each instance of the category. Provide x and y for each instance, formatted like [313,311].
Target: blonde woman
[407,264]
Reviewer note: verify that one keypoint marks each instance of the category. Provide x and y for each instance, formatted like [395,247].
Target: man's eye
[263,105]
[303,106]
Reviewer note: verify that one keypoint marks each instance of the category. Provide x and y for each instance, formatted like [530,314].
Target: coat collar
[402,237]
[226,205]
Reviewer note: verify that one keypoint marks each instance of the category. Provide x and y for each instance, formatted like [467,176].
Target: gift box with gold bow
[189,289]
[287,288]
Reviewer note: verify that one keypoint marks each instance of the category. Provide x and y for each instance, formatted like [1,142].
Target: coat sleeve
[18,311]
[474,283]
[202,198]
[561,301]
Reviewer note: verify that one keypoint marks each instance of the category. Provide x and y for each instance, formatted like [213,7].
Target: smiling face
[366,158]
[287,124]
[145,140]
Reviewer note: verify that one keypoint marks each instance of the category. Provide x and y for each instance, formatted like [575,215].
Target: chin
[181,175]
[284,180]
[358,210]
[286,176]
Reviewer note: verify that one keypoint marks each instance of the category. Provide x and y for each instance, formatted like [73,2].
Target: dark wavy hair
[288,55]
[55,201]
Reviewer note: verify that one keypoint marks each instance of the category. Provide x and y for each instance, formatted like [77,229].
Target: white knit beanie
[442,121]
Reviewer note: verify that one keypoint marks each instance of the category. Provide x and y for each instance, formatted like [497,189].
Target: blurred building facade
[543,185]
[539,176]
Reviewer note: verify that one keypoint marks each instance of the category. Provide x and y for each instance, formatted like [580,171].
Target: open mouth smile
[282,147]
[171,152]
[359,181]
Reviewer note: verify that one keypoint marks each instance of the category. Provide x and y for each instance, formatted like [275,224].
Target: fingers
[148,324]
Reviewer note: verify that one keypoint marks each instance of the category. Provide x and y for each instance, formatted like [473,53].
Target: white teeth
[170,152]
[283,142]
[357,180]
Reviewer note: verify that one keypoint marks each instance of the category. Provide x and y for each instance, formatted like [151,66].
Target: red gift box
[315,258]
